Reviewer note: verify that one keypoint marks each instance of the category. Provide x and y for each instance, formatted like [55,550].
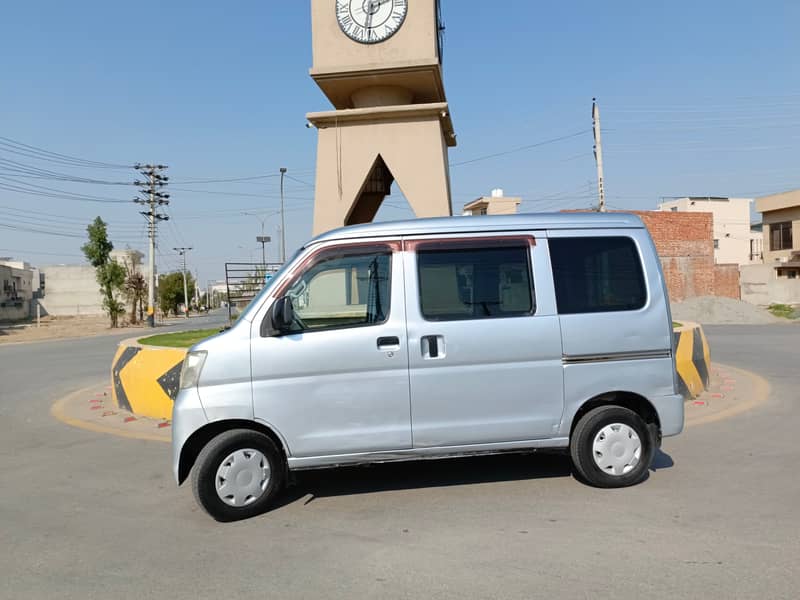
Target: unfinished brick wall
[726,281]
[685,244]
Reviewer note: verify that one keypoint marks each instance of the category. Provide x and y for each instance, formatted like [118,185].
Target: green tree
[136,292]
[170,291]
[135,286]
[110,274]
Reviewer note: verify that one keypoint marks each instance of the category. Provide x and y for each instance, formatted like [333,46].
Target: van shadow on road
[435,473]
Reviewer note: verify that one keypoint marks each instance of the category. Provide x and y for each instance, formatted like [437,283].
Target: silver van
[436,338]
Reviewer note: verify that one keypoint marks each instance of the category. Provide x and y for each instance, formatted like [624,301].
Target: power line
[521,148]
[20,147]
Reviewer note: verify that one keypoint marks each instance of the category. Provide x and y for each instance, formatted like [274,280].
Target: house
[496,204]
[777,280]
[781,218]
[20,285]
[734,242]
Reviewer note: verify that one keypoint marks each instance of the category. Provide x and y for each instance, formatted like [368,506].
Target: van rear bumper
[670,413]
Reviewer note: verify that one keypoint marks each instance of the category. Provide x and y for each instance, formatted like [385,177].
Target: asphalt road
[84,515]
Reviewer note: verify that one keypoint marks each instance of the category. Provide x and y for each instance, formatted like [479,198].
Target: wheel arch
[630,400]
[198,440]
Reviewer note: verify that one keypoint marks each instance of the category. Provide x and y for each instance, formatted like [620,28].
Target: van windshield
[249,311]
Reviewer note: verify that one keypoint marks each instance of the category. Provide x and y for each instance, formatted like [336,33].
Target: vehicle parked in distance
[436,338]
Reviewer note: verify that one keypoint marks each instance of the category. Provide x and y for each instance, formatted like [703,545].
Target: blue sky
[696,98]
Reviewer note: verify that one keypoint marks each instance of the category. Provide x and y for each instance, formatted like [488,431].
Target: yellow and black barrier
[145,379]
[692,359]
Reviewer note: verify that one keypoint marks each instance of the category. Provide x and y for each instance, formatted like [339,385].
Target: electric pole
[152,198]
[283,221]
[598,156]
[182,252]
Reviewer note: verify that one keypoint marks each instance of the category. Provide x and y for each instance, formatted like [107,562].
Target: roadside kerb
[692,359]
[145,379]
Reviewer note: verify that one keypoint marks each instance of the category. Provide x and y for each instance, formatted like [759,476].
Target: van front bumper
[187,417]
[670,413]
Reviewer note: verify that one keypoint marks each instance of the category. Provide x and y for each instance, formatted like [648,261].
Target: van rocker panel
[335,460]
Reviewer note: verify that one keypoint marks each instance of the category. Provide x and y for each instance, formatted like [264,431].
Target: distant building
[496,204]
[781,218]
[734,242]
[20,285]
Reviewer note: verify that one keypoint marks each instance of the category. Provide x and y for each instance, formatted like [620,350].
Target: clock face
[370,21]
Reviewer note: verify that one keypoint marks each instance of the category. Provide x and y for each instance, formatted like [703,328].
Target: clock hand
[368,24]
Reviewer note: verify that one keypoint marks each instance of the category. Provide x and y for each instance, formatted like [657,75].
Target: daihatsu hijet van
[436,338]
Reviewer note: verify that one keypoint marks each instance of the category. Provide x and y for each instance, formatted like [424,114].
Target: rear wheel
[611,447]
[238,474]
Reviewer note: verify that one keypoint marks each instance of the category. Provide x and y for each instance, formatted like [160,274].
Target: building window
[597,274]
[780,236]
[788,273]
[674,209]
[716,244]
[482,211]
[475,283]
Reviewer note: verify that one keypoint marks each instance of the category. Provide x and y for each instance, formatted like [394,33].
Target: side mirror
[282,314]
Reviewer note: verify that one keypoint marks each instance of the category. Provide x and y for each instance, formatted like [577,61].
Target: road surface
[85,515]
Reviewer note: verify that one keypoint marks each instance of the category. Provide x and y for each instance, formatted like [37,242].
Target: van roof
[483,224]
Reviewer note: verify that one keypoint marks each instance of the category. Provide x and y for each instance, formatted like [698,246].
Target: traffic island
[692,359]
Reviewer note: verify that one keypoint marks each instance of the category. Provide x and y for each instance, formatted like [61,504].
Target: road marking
[58,411]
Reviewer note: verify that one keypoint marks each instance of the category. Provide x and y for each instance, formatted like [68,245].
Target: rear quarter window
[597,274]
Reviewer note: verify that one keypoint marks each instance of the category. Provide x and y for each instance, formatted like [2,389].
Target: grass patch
[675,324]
[783,310]
[180,339]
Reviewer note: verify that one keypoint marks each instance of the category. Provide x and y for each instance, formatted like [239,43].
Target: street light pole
[283,222]
[261,239]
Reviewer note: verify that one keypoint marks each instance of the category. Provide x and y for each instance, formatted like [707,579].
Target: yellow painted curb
[59,412]
[760,396]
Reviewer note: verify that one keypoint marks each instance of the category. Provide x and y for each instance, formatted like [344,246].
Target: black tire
[210,460]
[583,454]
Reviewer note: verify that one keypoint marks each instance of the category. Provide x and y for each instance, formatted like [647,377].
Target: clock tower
[379,64]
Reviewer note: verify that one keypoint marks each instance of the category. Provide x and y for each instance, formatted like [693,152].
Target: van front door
[484,348]
[337,382]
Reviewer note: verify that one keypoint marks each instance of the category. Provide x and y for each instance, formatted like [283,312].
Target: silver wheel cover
[242,477]
[617,449]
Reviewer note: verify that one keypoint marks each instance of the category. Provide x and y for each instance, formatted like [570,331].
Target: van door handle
[389,343]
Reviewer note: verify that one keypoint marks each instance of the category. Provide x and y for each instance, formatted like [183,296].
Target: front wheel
[612,447]
[237,475]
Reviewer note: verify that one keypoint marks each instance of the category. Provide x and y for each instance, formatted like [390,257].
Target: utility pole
[598,156]
[196,289]
[152,198]
[182,252]
[283,221]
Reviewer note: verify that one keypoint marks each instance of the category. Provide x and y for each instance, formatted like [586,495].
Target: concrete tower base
[362,151]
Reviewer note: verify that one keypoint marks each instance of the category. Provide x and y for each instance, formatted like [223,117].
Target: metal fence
[244,281]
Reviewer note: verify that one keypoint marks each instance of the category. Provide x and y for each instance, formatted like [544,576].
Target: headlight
[192,365]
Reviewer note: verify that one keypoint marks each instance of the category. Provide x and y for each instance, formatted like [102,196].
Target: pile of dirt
[714,310]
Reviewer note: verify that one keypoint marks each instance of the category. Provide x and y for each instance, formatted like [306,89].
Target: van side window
[346,290]
[475,283]
[597,274]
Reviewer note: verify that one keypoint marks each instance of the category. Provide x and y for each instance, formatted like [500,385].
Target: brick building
[685,244]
